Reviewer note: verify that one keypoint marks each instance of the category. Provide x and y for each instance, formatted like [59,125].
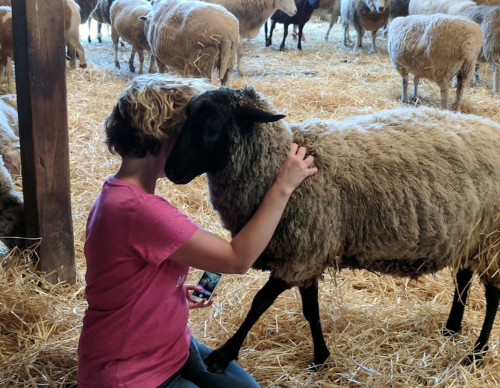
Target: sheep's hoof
[131,66]
[268,42]
[117,64]
[319,360]
[218,360]
[476,357]
[99,39]
[446,332]
[455,107]
[283,48]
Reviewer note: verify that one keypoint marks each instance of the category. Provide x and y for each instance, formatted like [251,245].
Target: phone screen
[208,282]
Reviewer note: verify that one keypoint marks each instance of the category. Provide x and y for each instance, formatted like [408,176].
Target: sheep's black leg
[269,40]
[99,35]
[492,301]
[454,324]
[218,360]
[310,307]
[285,34]
[265,32]
[299,45]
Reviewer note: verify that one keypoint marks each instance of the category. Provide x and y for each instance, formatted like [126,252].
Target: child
[139,249]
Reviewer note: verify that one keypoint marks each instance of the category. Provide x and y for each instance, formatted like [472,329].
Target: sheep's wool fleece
[403,192]
[434,47]
[449,7]
[194,37]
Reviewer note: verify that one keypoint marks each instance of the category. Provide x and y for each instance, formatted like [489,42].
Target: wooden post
[40,67]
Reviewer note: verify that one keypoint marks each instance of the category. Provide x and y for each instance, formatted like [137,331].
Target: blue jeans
[194,373]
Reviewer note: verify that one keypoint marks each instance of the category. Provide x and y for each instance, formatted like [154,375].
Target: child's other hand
[189,288]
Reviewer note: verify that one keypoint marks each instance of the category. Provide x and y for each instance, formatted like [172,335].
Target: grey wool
[404,192]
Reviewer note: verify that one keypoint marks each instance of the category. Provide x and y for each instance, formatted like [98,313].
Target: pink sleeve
[158,229]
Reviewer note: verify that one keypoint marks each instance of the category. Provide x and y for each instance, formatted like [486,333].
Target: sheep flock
[381,331]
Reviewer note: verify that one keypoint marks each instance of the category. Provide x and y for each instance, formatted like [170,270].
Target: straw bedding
[381,331]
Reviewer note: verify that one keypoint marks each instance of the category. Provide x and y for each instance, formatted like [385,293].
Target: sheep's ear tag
[255,115]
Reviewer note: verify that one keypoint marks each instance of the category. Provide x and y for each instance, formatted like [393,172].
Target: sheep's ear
[250,114]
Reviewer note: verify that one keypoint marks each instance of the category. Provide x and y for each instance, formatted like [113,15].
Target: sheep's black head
[204,142]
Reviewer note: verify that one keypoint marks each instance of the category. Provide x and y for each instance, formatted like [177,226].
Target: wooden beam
[40,67]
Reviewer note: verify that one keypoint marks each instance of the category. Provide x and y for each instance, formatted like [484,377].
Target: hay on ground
[381,331]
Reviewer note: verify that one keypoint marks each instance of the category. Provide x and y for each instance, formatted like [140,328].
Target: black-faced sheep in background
[305,9]
[404,192]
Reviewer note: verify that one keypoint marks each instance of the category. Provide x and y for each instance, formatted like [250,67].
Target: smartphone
[208,283]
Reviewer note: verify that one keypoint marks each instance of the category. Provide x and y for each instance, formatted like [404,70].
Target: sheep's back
[427,7]
[393,188]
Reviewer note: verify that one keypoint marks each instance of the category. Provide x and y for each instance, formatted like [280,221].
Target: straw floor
[381,331]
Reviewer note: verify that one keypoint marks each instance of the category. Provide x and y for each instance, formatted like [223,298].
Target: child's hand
[295,168]
[189,288]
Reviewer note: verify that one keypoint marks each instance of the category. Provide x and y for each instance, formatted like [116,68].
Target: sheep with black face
[404,192]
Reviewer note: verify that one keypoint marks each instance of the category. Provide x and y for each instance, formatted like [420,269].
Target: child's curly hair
[149,112]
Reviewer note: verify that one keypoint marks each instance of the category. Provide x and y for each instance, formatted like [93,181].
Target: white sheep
[126,24]
[364,15]
[449,7]
[488,17]
[9,137]
[12,226]
[436,47]
[404,192]
[328,9]
[72,32]
[251,15]
[7,46]
[193,37]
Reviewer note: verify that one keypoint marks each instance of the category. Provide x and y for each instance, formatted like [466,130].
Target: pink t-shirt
[135,330]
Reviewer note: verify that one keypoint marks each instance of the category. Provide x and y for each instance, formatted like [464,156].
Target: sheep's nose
[380,9]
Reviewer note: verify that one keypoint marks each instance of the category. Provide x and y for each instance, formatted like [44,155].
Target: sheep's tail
[227,59]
